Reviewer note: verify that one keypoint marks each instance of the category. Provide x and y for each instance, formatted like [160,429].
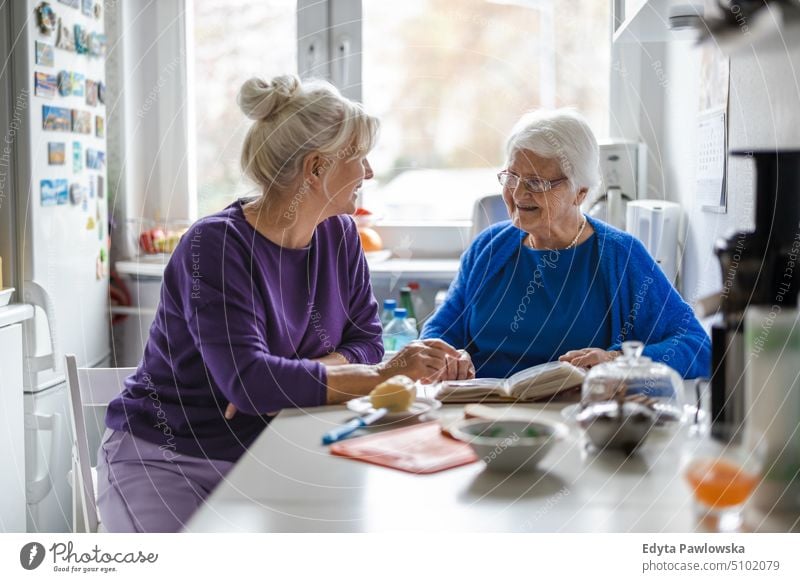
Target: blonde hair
[293,119]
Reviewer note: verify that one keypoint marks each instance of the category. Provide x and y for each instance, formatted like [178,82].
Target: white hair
[563,135]
[293,118]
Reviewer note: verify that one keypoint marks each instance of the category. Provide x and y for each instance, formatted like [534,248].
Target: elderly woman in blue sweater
[554,284]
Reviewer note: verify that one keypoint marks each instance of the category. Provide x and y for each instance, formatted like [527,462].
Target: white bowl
[5,296]
[509,445]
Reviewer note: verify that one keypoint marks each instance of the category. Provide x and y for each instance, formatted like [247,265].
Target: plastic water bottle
[387,315]
[399,332]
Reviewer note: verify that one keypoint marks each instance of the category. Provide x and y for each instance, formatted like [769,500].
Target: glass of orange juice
[722,465]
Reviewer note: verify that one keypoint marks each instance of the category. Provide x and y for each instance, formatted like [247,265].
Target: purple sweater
[238,322]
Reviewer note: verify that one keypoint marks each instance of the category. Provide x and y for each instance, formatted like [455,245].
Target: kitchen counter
[153,267]
[15,313]
[289,482]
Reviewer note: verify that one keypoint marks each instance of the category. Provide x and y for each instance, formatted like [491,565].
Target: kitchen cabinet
[12,432]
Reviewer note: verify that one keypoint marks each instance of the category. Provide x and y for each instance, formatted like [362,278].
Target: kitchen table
[289,482]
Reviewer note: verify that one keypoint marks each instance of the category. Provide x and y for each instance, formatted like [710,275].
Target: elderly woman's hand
[424,360]
[589,357]
[460,368]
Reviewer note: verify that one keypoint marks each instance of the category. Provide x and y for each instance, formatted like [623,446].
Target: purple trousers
[143,488]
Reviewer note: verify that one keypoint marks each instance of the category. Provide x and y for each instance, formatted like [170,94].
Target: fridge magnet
[56,153]
[85,204]
[55,118]
[77,84]
[101,92]
[64,39]
[77,159]
[71,3]
[81,121]
[99,126]
[47,192]
[91,93]
[62,191]
[101,187]
[90,223]
[92,188]
[87,7]
[81,40]
[76,193]
[95,160]
[98,268]
[64,83]
[44,85]
[98,10]
[46,18]
[44,54]
[97,44]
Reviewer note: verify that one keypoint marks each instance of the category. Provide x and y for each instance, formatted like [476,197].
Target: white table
[289,482]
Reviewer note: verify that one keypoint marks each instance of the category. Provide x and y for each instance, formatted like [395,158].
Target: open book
[527,385]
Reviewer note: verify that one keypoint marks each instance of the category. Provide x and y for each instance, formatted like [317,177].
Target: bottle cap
[400,313]
[389,303]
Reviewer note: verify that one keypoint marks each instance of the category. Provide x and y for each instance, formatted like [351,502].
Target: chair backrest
[89,387]
[487,211]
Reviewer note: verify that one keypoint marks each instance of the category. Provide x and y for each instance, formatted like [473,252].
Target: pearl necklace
[570,245]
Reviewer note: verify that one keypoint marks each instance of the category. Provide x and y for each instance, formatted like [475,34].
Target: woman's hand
[426,360]
[460,368]
[589,357]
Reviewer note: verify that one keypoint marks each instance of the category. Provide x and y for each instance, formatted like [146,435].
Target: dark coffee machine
[754,265]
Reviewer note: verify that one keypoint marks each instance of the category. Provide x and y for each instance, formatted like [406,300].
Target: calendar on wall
[712,131]
[712,157]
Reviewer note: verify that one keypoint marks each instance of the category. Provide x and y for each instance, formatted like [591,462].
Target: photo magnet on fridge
[44,54]
[81,121]
[87,7]
[77,84]
[91,93]
[62,191]
[47,193]
[76,193]
[64,39]
[56,153]
[95,159]
[77,158]
[99,126]
[64,83]
[46,18]
[55,118]
[81,40]
[44,85]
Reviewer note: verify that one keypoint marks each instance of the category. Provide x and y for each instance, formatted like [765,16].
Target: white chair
[88,388]
[487,211]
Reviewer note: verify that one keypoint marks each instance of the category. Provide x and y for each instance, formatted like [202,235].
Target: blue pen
[350,427]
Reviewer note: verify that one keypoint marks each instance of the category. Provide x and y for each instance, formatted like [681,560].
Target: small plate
[420,406]
[378,256]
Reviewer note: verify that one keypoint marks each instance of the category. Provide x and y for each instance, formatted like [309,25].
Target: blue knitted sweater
[645,306]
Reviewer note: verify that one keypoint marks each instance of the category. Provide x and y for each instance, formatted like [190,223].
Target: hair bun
[259,100]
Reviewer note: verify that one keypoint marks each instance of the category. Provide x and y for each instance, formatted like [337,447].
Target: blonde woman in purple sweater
[265,305]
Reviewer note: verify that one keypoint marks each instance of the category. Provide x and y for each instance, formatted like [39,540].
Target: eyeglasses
[511,180]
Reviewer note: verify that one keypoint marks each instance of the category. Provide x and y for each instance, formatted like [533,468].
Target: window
[449,78]
[233,41]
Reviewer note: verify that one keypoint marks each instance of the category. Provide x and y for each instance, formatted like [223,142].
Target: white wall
[658,102]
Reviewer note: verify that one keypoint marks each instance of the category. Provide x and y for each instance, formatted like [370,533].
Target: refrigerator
[54,222]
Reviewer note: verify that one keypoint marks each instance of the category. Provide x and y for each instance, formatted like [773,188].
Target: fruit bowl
[151,237]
